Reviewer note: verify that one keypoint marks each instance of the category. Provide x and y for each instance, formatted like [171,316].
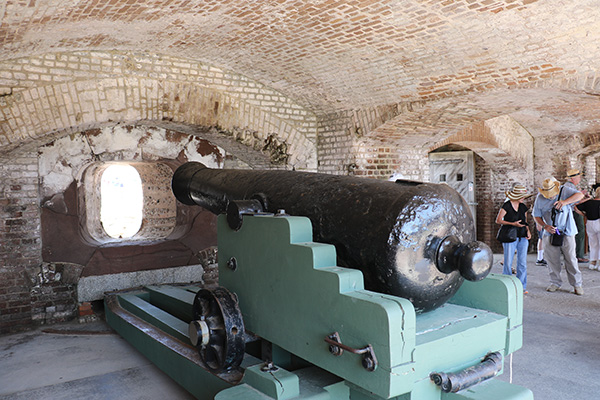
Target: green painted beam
[178,360]
[501,294]
[153,315]
[452,338]
[278,384]
[174,300]
[491,390]
[243,391]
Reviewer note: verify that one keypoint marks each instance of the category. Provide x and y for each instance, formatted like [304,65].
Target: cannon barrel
[410,239]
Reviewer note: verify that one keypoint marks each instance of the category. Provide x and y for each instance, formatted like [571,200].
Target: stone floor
[560,358]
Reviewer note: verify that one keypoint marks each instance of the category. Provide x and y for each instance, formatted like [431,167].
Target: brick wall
[383,161]
[60,95]
[31,292]
[335,145]
[20,245]
[53,288]
[486,206]
[347,146]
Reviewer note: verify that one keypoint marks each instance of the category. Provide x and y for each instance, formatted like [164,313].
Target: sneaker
[513,270]
[541,262]
[552,288]
[525,292]
[583,260]
[578,290]
[593,267]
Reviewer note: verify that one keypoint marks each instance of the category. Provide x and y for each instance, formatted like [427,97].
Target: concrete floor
[560,358]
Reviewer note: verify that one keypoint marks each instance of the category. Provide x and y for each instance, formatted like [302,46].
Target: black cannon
[410,239]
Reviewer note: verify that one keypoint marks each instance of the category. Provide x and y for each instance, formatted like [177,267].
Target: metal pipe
[453,382]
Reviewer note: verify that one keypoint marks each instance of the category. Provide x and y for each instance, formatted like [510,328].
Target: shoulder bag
[556,239]
[507,234]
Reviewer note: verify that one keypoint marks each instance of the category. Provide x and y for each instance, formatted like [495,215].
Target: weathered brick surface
[20,245]
[337,138]
[326,52]
[19,233]
[32,112]
[15,305]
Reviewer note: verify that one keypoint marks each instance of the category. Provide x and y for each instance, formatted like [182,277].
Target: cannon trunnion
[413,240]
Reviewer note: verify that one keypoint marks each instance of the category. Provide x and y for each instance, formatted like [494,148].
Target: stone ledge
[92,288]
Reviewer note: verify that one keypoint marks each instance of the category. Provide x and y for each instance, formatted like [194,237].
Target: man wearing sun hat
[561,198]
[573,179]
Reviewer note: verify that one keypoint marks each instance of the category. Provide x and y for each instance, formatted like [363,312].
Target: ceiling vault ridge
[61,66]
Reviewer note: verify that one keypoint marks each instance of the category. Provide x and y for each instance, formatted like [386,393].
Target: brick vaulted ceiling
[534,60]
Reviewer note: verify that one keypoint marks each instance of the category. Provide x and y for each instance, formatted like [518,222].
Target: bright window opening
[127,203]
[121,201]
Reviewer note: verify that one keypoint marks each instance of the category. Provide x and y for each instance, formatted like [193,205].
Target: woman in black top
[591,209]
[513,212]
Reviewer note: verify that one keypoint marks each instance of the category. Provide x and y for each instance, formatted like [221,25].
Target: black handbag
[507,234]
[556,239]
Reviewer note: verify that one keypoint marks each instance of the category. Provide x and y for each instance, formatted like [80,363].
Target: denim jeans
[520,246]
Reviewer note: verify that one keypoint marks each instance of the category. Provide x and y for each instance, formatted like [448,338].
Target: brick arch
[501,163]
[40,114]
[570,101]
[592,140]
[504,155]
[478,133]
[506,166]
[591,145]
[406,152]
[403,142]
[479,102]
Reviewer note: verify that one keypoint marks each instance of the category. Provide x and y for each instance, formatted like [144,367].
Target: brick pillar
[20,246]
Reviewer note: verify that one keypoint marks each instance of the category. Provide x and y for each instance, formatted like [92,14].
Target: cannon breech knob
[473,260]
[217,330]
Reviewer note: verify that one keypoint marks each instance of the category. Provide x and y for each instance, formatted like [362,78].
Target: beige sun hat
[550,188]
[573,172]
[517,192]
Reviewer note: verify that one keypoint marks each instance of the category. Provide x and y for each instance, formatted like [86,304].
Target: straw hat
[550,188]
[573,172]
[517,192]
